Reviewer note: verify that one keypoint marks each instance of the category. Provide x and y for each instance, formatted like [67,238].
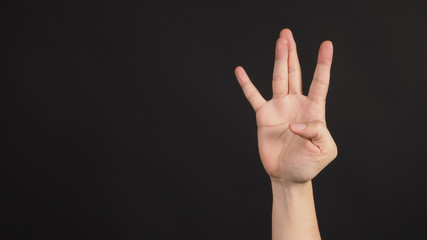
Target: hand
[293,140]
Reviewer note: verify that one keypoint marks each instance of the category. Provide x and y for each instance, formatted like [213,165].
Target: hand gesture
[293,140]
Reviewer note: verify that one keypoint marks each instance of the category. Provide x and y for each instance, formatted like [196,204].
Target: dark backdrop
[124,119]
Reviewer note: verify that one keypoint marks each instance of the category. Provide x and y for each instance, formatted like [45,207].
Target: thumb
[316,131]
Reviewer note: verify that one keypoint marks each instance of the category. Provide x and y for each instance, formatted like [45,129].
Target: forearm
[293,214]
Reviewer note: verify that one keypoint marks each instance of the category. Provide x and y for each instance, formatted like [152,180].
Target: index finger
[319,85]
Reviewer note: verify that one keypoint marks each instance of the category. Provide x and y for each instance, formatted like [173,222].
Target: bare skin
[293,140]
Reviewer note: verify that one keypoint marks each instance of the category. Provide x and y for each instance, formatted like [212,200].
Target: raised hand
[293,140]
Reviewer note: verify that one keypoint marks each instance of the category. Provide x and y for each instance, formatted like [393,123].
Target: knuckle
[334,151]
[318,124]
[279,77]
[252,95]
[292,69]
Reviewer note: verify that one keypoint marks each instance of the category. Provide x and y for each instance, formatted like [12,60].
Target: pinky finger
[250,91]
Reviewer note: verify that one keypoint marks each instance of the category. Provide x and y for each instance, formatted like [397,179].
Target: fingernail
[298,126]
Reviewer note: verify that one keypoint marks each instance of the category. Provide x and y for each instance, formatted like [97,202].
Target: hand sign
[293,140]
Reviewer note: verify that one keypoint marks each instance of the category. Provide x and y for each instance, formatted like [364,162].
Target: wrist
[288,184]
[286,190]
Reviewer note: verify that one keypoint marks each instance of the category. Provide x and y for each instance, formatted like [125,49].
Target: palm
[282,152]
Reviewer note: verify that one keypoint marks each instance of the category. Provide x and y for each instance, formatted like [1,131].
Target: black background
[124,119]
